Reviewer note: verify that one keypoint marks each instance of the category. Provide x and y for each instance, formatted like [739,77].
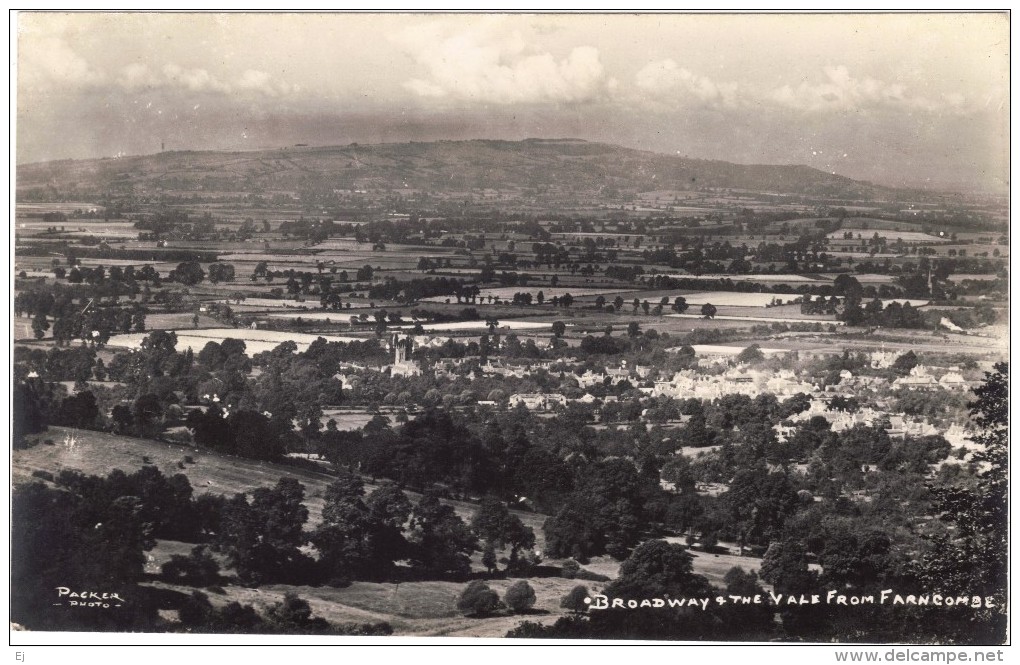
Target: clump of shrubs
[291,616]
[478,599]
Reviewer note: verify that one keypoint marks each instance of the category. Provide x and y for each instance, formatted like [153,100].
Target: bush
[588,575]
[489,557]
[22,443]
[572,570]
[294,615]
[520,597]
[369,629]
[196,569]
[478,599]
[196,610]
[45,475]
[568,627]
[575,600]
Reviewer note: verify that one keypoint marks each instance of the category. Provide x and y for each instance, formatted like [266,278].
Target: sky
[896,99]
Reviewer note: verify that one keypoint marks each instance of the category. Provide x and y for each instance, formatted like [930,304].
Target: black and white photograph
[514,328]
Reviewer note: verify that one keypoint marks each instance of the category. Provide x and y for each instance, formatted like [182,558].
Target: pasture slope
[425,608]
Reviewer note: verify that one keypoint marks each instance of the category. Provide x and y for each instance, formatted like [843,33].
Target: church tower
[399,349]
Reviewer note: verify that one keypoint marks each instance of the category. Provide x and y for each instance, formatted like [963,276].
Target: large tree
[657,569]
[758,502]
[359,540]
[188,273]
[603,514]
[262,538]
[972,557]
[442,543]
[70,539]
[494,524]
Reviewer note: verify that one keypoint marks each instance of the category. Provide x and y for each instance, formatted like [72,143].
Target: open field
[412,608]
[56,206]
[734,299]
[481,325]
[778,278]
[983,250]
[788,313]
[182,321]
[98,453]
[725,350]
[979,278]
[347,420]
[256,341]
[79,228]
[341,244]
[863,234]
[913,302]
[991,342]
[787,278]
[874,224]
[548,292]
[867,278]
[22,329]
[270,303]
[756,319]
[324,317]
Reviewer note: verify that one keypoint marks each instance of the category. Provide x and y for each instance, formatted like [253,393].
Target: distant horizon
[930,187]
[908,100]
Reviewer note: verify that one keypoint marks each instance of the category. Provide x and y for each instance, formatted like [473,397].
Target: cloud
[483,63]
[139,76]
[254,80]
[841,91]
[666,80]
[195,80]
[51,62]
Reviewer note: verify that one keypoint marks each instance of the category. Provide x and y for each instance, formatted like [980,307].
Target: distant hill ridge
[571,165]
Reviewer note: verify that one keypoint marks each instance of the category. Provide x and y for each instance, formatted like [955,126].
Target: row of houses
[898,425]
[920,379]
[737,380]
